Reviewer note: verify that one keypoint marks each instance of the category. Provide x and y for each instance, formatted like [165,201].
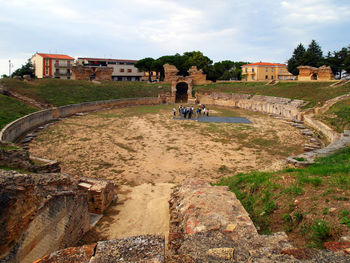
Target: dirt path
[145,152]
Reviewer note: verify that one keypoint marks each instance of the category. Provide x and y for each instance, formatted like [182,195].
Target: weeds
[320,232]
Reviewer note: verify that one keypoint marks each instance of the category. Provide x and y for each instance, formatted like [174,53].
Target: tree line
[339,61]
[223,70]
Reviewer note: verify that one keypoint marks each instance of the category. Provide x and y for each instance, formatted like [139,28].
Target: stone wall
[100,193]
[17,128]
[209,224]
[39,213]
[85,72]
[283,107]
[138,249]
[307,73]
[170,73]
[198,77]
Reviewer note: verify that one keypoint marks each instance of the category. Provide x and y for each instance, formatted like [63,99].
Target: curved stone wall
[17,128]
[283,107]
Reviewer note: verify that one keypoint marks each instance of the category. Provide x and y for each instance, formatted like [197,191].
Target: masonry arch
[314,76]
[181,92]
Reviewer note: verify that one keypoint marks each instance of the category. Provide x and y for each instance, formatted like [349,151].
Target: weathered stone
[39,213]
[81,254]
[307,73]
[100,193]
[336,246]
[140,249]
[89,72]
[221,253]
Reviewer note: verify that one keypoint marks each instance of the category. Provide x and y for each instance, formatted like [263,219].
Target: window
[246,70]
[281,70]
[46,71]
[280,77]
[129,70]
[121,70]
[271,77]
[68,63]
[267,70]
[253,77]
[271,69]
[266,77]
[252,69]
[129,78]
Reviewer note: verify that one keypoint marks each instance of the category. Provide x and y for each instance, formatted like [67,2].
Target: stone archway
[181,94]
[314,76]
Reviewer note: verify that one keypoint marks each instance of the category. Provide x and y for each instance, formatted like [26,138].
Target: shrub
[320,232]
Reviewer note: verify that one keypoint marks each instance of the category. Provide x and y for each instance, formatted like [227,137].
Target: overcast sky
[247,30]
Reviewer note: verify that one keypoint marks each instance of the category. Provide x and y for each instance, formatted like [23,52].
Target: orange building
[262,71]
[52,65]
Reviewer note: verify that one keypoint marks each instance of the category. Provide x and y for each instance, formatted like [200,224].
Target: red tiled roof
[55,56]
[110,60]
[264,64]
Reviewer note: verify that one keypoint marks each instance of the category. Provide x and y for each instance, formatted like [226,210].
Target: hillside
[314,92]
[12,109]
[60,92]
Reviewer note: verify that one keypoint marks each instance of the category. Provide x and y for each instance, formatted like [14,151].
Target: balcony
[62,66]
[60,74]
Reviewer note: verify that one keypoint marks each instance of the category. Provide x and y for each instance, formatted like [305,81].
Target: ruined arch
[314,76]
[181,92]
[181,89]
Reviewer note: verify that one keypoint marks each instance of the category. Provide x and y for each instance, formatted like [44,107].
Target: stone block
[100,193]
[41,213]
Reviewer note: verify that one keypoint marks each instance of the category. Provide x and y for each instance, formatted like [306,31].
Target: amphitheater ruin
[135,184]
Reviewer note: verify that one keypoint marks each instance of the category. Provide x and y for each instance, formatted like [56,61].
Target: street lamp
[10,66]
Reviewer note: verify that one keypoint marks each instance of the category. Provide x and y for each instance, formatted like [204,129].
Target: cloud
[314,11]
[222,29]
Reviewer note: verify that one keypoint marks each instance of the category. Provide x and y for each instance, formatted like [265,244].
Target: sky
[244,30]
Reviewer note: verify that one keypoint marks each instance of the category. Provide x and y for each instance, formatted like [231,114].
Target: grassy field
[62,92]
[338,116]
[314,92]
[310,204]
[11,109]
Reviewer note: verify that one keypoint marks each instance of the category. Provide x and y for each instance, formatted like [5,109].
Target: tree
[146,64]
[26,69]
[336,61]
[296,60]
[347,61]
[313,56]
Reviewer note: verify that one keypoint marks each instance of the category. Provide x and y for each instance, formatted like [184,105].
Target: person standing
[185,113]
[204,111]
[174,110]
[207,112]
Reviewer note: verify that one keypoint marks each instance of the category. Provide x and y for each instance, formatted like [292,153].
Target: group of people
[188,112]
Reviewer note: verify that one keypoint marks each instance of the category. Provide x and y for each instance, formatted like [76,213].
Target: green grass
[62,92]
[12,109]
[262,193]
[314,92]
[338,116]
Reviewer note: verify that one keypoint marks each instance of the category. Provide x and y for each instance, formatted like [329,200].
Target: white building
[123,70]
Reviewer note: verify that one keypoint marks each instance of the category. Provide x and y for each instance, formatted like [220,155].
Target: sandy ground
[146,153]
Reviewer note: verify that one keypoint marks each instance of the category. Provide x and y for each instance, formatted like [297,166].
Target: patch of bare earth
[146,152]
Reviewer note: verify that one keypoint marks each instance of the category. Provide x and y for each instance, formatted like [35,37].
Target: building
[123,70]
[52,65]
[307,73]
[262,71]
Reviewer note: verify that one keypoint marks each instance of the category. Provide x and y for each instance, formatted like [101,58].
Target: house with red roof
[265,71]
[52,65]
